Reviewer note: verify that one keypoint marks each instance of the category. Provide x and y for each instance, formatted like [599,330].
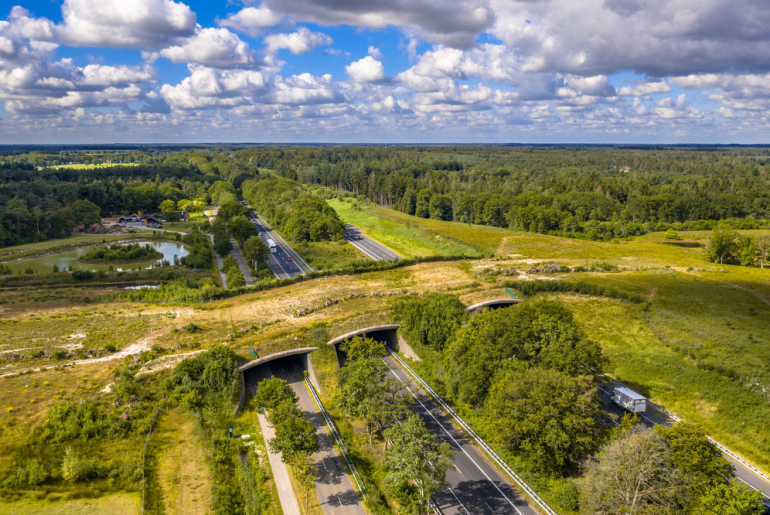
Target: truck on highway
[629,400]
[272,245]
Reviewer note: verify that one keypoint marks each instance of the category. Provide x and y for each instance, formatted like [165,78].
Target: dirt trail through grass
[179,474]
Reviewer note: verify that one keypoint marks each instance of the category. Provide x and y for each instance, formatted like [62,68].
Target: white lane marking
[488,506]
[324,464]
[338,500]
[455,441]
[458,500]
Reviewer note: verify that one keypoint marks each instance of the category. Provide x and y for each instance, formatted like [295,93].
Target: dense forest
[587,192]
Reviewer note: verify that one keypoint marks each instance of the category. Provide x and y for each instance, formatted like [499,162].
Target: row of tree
[295,436]
[414,462]
[727,246]
[300,215]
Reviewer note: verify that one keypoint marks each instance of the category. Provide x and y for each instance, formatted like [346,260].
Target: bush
[569,496]
[82,275]
[529,288]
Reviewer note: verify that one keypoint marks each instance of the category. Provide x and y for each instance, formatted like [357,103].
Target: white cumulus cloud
[296,42]
[367,69]
[252,20]
[219,48]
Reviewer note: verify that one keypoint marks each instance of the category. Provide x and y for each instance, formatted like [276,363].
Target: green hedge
[529,288]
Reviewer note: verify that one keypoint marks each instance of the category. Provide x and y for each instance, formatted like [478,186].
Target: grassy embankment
[414,237]
[327,255]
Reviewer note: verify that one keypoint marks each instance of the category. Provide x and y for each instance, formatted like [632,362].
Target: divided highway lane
[280,261]
[333,487]
[654,416]
[368,246]
[475,487]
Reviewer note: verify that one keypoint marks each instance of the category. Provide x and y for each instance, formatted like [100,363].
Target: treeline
[596,193]
[298,214]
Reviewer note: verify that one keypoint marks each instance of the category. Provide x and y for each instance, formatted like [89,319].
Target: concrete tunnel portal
[387,334]
[491,304]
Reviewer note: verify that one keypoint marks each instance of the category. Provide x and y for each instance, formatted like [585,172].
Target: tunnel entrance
[491,304]
[386,334]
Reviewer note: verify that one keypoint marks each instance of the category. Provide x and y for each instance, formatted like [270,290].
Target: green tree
[240,228]
[671,235]
[38,215]
[546,335]
[431,320]
[294,433]
[270,393]
[722,245]
[71,469]
[18,207]
[305,473]
[86,212]
[763,250]
[699,459]
[440,207]
[167,206]
[363,348]
[171,217]
[228,263]
[255,250]
[423,204]
[229,209]
[365,392]
[633,475]
[235,278]
[748,250]
[733,498]
[416,459]
[549,416]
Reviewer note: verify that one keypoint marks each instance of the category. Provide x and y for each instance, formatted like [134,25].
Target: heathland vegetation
[643,264]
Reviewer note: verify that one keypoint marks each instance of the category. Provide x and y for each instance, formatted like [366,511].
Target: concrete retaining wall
[311,374]
[243,394]
[406,349]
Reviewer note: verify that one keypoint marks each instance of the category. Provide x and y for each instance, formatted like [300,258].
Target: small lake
[44,265]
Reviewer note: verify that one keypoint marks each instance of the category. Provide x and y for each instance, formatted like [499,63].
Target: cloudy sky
[647,71]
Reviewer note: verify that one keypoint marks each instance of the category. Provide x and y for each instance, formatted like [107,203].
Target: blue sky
[615,71]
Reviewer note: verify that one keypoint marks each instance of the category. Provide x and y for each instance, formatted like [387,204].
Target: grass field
[114,504]
[325,255]
[180,482]
[408,235]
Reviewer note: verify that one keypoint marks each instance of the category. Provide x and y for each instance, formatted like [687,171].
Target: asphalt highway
[368,246]
[333,486]
[475,487]
[652,416]
[282,262]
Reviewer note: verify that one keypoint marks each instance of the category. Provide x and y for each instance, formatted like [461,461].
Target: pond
[44,265]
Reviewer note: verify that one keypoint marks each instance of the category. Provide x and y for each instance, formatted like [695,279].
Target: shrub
[529,288]
[82,275]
